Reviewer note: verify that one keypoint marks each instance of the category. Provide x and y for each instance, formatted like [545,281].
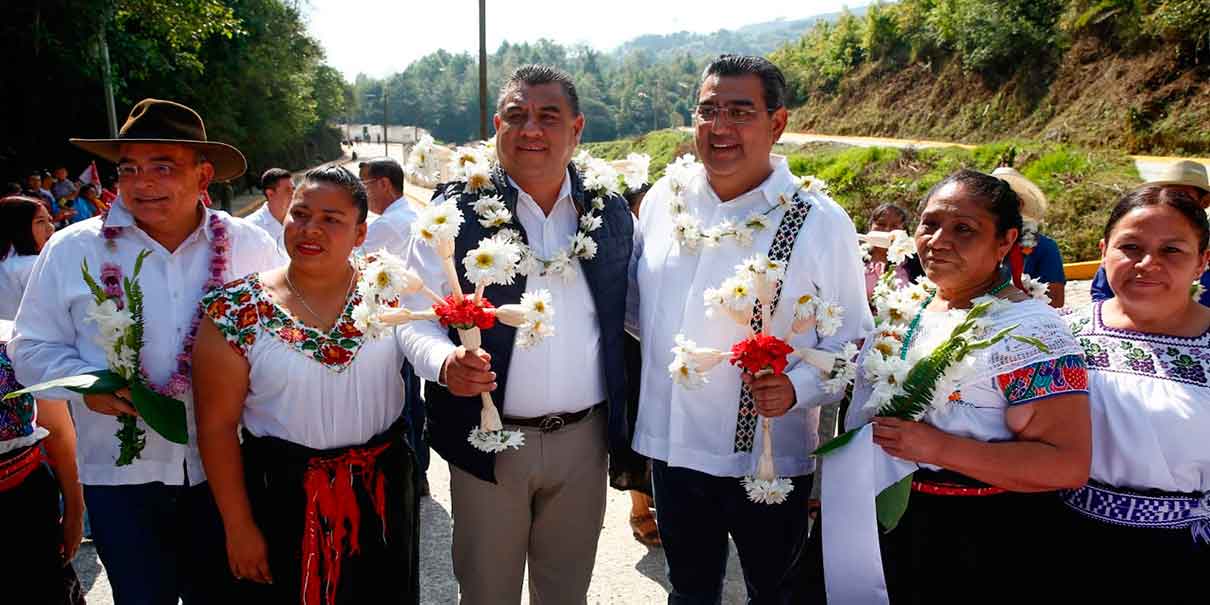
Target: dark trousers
[159,543]
[31,570]
[696,512]
[416,417]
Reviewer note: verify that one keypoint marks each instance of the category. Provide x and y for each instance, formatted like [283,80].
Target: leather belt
[552,422]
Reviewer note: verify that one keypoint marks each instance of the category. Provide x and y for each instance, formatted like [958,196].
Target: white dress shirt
[53,339]
[696,429]
[564,372]
[15,270]
[392,231]
[264,219]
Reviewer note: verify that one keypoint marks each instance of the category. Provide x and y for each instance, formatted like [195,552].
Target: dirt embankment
[1152,102]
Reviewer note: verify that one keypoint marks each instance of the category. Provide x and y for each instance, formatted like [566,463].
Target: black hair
[634,197]
[269,179]
[386,168]
[16,225]
[773,83]
[992,193]
[536,75]
[12,188]
[893,209]
[1165,195]
[341,177]
[87,186]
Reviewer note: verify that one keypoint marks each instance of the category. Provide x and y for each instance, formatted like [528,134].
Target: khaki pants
[546,508]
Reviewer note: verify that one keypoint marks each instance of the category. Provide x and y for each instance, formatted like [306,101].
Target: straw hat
[159,121]
[1184,172]
[1033,201]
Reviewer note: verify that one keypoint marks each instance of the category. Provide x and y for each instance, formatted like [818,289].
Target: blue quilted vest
[451,418]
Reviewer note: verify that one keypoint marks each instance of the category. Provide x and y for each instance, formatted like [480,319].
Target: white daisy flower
[638,166]
[538,305]
[1036,289]
[1196,290]
[561,265]
[828,316]
[437,222]
[494,442]
[583,246]
[902,246]
[532,332]
[681,171]
[737,294]
[386,278]
[487,204]
[757,221]
[496,218]
[768,491]
[683,373]
[493,262]
[590,223]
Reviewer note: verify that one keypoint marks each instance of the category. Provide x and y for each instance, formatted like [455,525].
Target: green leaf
[892,503]
[309,345]
[348,343]
[1041,346]
[836,443]
[164,415]
[101,381]
[98,293]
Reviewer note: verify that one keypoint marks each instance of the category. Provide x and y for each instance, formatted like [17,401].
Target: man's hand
[114,404]
[468,373]
[774,393]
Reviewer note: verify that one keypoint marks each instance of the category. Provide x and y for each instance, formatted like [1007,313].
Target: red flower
[292,334]
[469,313]
[247,316]
[761,352]
[244,298]
[218,307]
[334,354]
[349,330]
[265,308]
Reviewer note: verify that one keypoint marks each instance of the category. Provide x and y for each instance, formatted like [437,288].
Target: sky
[381,37]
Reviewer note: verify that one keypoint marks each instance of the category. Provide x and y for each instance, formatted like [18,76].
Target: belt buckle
[551,423]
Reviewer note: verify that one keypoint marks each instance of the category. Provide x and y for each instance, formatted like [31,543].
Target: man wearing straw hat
[154,520]
[1041,257]
[1188,177]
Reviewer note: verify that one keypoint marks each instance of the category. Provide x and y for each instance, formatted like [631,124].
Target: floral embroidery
[17,414]
[242,306]
[1106,349]
[1060,376]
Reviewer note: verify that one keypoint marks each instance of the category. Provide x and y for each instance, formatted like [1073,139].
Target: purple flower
[111,232]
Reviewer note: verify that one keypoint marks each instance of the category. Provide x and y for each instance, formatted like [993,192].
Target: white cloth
[696,429]
[564,372]
[392,231]
[264,219]
[15,271]
[293,396]
[53,339]
[1150,397]
[974,408]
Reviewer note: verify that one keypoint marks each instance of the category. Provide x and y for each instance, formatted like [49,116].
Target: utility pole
[386,151]
[483,70]
[107,80]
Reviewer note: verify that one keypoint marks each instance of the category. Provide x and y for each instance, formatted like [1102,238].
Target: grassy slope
[1094,97]
[1082,184]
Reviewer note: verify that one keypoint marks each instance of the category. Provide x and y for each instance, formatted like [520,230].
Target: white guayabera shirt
[392,231]
[265,220]
[53,340]
[696,429]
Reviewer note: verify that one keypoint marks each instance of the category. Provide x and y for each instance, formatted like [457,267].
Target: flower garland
[111,278]
[473,165]
[687,228]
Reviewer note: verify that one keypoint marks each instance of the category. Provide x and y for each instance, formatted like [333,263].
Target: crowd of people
[253,433]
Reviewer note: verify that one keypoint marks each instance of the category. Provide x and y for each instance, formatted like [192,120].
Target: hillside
[1126,75]
[755,39]
[1081,183]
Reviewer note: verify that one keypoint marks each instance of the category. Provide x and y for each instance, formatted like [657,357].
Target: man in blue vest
[541,504]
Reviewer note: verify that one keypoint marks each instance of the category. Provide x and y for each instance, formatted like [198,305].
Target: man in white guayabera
[153,518]
[700,226]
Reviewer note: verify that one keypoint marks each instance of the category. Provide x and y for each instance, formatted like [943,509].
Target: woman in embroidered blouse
[319,502]
[39,544]
[1144,517]
[1015,421]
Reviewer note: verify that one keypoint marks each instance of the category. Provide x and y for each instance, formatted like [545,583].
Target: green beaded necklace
[911,331]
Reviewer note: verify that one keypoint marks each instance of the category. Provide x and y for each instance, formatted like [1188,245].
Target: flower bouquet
[751,290]
[905,381]
[117,311]
[495,261]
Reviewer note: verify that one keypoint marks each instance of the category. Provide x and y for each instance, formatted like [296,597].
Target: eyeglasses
[159,170]
[734,113]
